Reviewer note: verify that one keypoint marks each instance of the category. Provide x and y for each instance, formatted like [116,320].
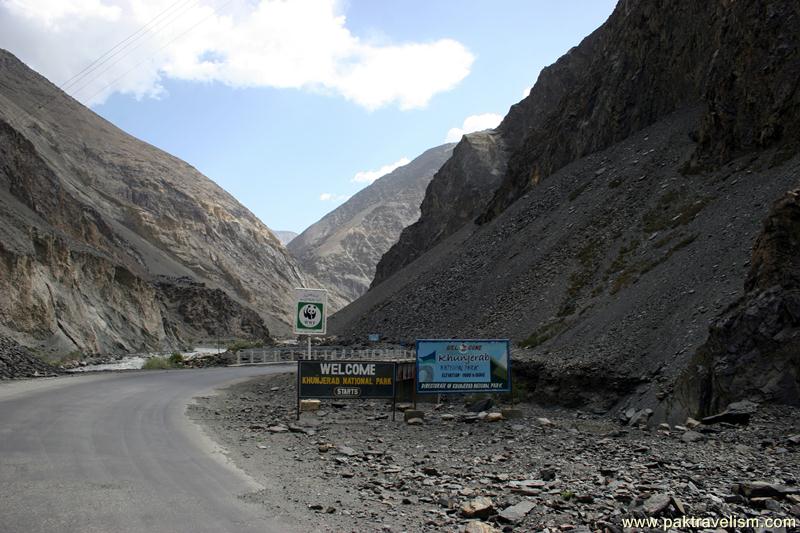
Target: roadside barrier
[261,356]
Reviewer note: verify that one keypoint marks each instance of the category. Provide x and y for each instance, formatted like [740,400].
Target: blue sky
[278,143]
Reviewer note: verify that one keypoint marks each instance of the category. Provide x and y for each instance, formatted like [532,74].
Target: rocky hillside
[91,217]
[343,248]
[639,171]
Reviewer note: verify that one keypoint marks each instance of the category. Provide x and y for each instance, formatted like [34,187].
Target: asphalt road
[115,453]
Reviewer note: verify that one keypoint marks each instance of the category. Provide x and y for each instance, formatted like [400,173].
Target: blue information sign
[463,365]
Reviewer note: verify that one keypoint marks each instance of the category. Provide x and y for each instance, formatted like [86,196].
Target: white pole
[309,347]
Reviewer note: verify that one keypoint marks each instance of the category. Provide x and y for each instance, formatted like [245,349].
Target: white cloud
[300,44]
[526,91]
[368,176]
[330,197]
[472,123]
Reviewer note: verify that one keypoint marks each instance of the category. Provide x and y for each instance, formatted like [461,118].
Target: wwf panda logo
[310,315]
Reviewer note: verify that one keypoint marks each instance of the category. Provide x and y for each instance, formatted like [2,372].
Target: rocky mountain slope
[639,171]
[285,236]
[96,226]
[343,248]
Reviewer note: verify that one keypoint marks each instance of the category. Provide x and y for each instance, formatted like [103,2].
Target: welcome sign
[463,365]
[345,379]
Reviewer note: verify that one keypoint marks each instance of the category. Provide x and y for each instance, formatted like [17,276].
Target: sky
[293,106]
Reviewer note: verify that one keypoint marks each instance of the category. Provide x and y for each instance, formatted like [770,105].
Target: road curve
[115,453]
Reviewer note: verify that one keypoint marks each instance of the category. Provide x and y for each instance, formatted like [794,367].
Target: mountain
[470,177]
[615,246]
[343,248]
[285,236]
[109,244]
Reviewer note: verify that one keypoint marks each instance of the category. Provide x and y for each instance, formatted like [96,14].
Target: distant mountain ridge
[343,248]
[95,225]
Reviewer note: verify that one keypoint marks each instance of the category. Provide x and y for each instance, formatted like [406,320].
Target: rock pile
[17,362]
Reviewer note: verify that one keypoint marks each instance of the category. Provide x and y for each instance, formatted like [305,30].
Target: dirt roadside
[350,468]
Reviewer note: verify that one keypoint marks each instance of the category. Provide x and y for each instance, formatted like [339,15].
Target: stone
[480,405]
[480,507]
[657,504]
[547,474]
[309,405]
[299,429]
[278,429]
[346,450]
[415,421]
[408,414]
[692,436]
[678,505]
[691,423]
[430,471]
[447,417]
[475,526]
[794,440]
[494,417]
[544,422]
[763,489]
[512,414]
[728,417]
[517,512]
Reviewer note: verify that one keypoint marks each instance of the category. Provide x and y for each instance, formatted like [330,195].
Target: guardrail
[260,356]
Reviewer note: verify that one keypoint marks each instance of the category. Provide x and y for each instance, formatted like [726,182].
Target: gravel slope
[355,470]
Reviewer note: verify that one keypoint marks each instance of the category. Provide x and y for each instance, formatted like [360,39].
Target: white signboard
[310,311]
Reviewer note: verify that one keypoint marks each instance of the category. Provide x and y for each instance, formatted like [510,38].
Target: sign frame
[301,363]
[507,389]
[306,297]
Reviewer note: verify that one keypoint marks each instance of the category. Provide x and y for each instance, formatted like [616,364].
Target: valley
[626,237]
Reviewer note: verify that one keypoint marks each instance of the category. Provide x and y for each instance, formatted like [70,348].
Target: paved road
[115,453]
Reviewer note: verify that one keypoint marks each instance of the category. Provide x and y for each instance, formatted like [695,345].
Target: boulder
[657,504]
[480,507]
[494,417]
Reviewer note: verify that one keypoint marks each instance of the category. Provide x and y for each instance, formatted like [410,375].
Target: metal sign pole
[298,389]
[394,396]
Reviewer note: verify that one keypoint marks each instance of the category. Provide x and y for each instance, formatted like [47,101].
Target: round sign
[309,315]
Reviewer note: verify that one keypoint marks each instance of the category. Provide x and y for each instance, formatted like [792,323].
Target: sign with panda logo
[310,311]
